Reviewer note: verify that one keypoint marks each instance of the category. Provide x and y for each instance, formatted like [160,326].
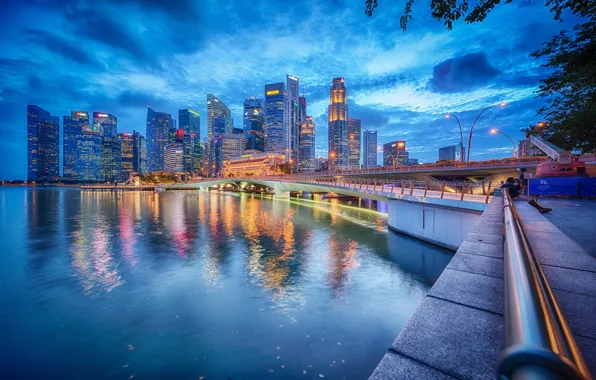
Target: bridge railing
[538,342]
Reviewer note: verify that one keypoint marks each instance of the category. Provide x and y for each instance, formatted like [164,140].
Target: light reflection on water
[214,285]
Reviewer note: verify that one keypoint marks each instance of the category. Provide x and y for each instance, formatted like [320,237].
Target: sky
[120,56]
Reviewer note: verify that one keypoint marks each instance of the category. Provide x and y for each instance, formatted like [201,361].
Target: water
[184,285]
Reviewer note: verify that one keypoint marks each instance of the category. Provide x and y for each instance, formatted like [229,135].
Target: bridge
[441,213]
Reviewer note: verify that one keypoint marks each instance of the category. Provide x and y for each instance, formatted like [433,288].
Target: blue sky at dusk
[121,56]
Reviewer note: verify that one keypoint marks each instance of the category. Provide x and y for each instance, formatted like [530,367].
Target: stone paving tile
[552,254]
[540,226]
[579,311]
[487,230]
[572,280]
[485,238]
[587,347]
[489,224]
[396,366]
[456,339]
[486,265]
[484,249]
[483,292]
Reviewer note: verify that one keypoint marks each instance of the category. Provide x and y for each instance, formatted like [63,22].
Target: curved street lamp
[461,131]
[495,131]
[502,104]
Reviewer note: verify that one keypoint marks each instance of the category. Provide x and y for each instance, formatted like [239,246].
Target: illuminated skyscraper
[354,132]
[189,120]
[174,153]
[394,153]
[158,126]
[292,121]
[223,147]
[306,153]
[127,145]
[43,144]
[139,153]
[88,148]
[253,124]
[72,131]
[338,126]
[275,118]
[369,149]
[218,109]
[110,145]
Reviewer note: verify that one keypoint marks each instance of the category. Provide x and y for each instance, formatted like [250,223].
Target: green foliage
[570,91]
[449,11]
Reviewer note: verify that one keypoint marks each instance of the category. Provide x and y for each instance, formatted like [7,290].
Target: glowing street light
[495,131]
[502,104]
[461,131]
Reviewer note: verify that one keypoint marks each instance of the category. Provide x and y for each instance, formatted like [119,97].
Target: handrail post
[392,187]
[402,187]
[442,189]
[463,191]
[411,187]
[425,188]
[488,192]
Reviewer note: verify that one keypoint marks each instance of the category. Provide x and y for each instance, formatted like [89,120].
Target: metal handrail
[538,341]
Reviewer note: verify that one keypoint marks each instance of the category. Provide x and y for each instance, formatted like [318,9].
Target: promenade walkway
[458,331]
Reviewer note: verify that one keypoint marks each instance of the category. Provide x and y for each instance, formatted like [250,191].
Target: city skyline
[400,84]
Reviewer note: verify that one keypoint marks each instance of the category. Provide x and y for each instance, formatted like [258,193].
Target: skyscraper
[451,153]
[253,124]
[223,147]
[127,147]
[110,145]
[292,121]
[158,126]
[306,153]
[369,149]
[189,121]
[338,126]
[139,153]
[43,144]
[72,131]
[394,153]
[88,148]
[217,109]
[354,133]
[275,118]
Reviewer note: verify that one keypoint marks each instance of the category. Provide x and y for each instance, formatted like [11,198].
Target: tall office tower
[43,144]
[110,145]
[394,153]
[354,133]
[88,151]
[217,109]
[189,121]
[451,153]
[369,149]
[253,124]
[174,153]
[72,131]
[223,147]
[292,121]
[158,127]
[275,117]
[306,153]
[139,153]
[338,126]
[127,154]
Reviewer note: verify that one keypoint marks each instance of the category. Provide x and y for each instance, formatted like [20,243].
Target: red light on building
[179,134]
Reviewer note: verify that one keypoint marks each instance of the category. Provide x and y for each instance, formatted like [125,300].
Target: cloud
[60,46]
[462,73]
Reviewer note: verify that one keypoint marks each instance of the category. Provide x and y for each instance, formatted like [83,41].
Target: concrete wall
[447,227]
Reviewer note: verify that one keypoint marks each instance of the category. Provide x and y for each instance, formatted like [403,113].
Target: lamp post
[495,131]
[461,131]
[331,163]
[502,104]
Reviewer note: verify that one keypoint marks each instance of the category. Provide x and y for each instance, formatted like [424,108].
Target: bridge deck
[458,330]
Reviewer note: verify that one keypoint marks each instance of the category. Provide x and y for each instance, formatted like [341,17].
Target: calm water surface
[181,285]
